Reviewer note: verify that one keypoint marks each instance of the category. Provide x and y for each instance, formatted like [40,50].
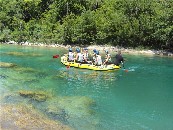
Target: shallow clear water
[138,99]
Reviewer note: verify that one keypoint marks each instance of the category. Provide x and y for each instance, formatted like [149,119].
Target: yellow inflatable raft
[88,66]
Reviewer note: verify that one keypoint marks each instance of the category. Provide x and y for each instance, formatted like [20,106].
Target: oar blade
[68,66]
[55,56]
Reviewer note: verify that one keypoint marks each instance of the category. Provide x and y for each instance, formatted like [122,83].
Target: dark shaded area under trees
[127,23]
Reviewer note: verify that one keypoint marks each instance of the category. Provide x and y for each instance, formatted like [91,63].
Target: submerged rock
[18,117]
[27,69]
[35,95]
[15,53]
[22,54]
[31,81]
[7,65]
[74,106]
[10,98]
[3,76]
[66,109]
[40,75]
[57,113]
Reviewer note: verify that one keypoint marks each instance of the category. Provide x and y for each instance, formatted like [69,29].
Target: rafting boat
[88,66]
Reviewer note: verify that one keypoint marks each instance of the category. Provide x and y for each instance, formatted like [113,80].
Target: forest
[126,23]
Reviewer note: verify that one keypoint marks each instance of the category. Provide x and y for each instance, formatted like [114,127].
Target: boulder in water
[25,69]
[35,95]
[7,65]
[77,105]
[23,54]
[18,117]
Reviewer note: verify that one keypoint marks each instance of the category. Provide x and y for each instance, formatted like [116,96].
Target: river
[140,99]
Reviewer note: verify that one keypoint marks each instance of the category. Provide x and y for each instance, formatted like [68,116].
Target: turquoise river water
[140,99]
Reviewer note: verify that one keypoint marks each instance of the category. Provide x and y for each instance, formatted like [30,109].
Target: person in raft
[85,56]
[98,61]
[94,57]
[119,59]
[79,56]
[70,55]
[107,59]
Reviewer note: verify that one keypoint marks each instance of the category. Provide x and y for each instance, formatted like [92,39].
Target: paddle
[124,67]
[55,56]
[68,66]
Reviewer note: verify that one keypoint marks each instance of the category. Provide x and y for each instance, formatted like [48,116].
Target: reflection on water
[85,75]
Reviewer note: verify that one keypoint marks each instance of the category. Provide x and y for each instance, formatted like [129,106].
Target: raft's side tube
[88,66]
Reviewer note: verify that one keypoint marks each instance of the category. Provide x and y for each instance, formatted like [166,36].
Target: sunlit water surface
[140,99]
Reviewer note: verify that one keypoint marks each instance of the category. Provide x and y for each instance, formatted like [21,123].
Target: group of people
[80,57]
[83,57]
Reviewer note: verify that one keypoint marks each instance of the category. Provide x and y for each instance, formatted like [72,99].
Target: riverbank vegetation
[126,23]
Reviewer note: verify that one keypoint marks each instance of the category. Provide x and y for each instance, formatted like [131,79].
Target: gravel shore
[101,48]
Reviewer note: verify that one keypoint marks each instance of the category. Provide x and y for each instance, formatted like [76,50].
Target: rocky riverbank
[20,117]
[101,48]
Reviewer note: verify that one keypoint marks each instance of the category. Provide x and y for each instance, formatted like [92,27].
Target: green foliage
[128,23]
